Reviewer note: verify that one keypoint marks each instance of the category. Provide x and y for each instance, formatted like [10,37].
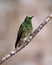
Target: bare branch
[27,40]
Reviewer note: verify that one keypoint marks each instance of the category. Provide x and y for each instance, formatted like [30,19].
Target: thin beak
[31,17]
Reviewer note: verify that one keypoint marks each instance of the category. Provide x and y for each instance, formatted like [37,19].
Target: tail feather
[18,39]
[16,43]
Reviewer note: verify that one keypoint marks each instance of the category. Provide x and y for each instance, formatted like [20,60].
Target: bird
[25,30]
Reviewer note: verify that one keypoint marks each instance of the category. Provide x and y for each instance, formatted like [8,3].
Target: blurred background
[12,14]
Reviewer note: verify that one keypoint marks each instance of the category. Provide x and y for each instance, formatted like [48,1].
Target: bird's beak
[31,17]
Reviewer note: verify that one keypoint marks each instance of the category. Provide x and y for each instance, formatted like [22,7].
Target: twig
[27,40]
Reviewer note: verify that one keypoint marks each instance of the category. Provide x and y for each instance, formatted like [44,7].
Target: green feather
[24,31]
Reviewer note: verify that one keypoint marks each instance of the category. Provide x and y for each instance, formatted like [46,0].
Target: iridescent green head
[28,19]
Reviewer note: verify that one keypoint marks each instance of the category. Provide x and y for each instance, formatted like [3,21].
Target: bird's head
[28,19]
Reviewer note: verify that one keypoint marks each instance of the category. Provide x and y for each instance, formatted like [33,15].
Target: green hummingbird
[24,31]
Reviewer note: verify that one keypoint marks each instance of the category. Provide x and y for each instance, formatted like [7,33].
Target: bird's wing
[20,32]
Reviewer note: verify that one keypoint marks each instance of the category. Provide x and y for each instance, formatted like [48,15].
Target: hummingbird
[25,30]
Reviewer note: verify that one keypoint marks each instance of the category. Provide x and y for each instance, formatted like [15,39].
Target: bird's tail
[16,43]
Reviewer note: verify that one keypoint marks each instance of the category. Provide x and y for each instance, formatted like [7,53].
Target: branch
[27,40]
